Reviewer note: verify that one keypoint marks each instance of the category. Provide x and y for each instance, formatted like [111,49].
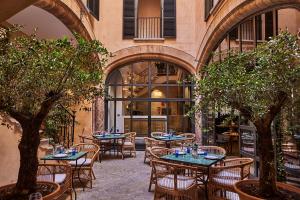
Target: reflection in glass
[140,73]
[158,92]
[175,91]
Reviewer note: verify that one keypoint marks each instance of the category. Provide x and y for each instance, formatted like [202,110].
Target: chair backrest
[91,149]
[213,149]
[157,152]
[151,142]
[130,136]
[155,134]
[161,169]
[85,139]
[48,172]
[190,137]
[235,168]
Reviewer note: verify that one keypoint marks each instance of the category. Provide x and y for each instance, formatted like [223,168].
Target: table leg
[73,186]
[79,172]
[168,144]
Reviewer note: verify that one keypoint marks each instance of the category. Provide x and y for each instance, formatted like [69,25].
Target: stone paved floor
[119,179]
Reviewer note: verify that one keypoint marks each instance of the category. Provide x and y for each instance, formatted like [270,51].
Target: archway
[221,24]
[148,96]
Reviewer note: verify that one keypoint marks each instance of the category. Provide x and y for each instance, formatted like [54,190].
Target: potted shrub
[258,83]
[35,76]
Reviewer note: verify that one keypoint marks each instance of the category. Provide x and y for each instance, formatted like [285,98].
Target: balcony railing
[149,28]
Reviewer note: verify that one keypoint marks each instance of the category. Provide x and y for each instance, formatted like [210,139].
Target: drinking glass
[176,153]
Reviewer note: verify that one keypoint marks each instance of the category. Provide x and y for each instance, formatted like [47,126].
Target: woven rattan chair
[86,168]
[222,178]
[128,144]
[189,138]
[57,173]
[149,144]
[213,149]
[174,180]
[85,139]
[155,154]
[156,134]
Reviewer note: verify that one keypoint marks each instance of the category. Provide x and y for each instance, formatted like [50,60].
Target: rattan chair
[222,178]
[149,144]
[174,180]
[156,134]
[154,154]
[213,149]
[189,138]
[128,144]
[57,173]
[86,164]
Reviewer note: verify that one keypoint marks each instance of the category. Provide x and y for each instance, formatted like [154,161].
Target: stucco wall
[9,152]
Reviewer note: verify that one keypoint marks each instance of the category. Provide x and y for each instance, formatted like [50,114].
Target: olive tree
[258,83]
[36,75]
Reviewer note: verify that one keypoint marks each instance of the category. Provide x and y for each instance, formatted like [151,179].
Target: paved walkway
[119,179]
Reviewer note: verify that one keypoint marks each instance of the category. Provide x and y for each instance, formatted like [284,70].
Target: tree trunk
[267,171]
[28,148]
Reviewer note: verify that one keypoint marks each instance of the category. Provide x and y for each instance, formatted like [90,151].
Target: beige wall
[110,26]
[9,152]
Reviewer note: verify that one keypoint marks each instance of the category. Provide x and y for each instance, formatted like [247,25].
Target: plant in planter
[258,83]
[36,75]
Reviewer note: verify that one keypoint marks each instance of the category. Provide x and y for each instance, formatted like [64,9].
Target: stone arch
[221,23]
[75,19]
[146,52]
[138,53]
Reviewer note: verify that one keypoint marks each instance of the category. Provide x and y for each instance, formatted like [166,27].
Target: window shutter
[93,6]
[209,4]
[169,18]
[128,19]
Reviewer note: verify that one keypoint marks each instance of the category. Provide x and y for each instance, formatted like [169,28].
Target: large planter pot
[245,196]
[52,189]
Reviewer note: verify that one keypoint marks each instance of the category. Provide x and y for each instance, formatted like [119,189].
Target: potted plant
[257,83]
[35,76]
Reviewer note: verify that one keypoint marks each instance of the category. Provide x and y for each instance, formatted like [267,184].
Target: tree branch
[46,106]
[275,109]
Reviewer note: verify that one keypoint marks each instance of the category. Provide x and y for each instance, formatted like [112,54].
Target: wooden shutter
[93,6]
[128,18]
[169,13]
[209,4]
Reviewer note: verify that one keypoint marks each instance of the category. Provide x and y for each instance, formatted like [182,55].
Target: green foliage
[253,82]
[34,71]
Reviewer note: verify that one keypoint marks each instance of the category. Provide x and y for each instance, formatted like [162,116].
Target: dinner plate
[211,157]
[68,151]
[181,153]
[60,155]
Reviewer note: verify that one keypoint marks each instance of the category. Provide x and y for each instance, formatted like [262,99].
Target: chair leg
[145,156]
[151,180]
[94,177]
[91,179]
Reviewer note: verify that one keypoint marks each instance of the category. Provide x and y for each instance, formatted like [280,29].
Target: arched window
[148,96]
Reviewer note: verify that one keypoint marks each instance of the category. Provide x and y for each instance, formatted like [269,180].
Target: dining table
[67,157]
[168,139]
[202,160]
[115,137]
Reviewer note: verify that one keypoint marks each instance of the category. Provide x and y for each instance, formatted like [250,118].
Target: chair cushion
[58,178]
[227,178]
[183,182]
[88,161]
[126,143]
